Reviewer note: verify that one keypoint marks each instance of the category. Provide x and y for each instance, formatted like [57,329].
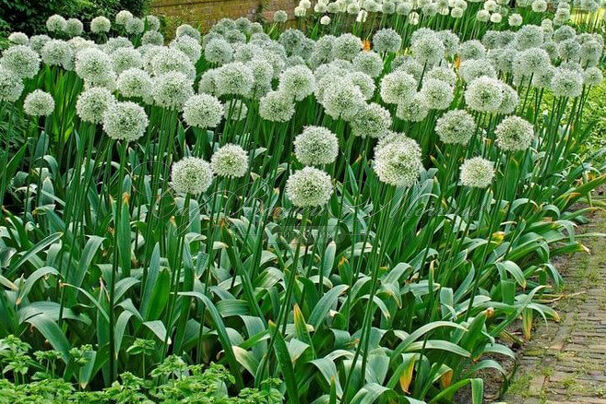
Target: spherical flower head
[539,6]
[342,99]
[203,111]
[152,23]
[428,49]
[514,134]
[93,103]
[207,84]
[369,63]
[21,60]
[483,15]
[171,90]
[386,40]
[414,111]
[123,16]
[346,46]
[262,75]
[116,43]
[373,121]
[398,163]
[316,145]
[55,23]
[234,79]
[438,94]
[38,103]
[567,83]
[134,26]
[309,187]
[276,106]
[456,12]
[450,41]
[126,58]
[125,121]
[297,81]
[100,25]
[230,161]
[543,79]
[167,60]
[18,38]
[473,68]
[364,82]
[218,51]
[73,27]
[57,53]
[456,127]
[243,24]
[510,100]
[134,83]
[189,46]
[398,87]
[593,76]
[11,85]
[591,52]
[92,64]
[152,38]
[563,33]
[477,172]
[36,42]
[237,110]
[472,49]
[280,17]
[443,73]
[530,61]
[191,175]
[325,20]
[529,36]
[569,49]
[484,94]
[188,30]
[515,20]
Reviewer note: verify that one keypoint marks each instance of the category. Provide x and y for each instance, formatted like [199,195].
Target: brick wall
[204,13]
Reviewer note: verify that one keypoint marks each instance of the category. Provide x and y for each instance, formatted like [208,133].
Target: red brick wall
[204,13]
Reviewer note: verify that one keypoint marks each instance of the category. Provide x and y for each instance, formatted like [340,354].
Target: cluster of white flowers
[191,175]
[477,172]
[309,187]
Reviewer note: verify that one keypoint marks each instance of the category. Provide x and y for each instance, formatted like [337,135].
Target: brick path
[566,362]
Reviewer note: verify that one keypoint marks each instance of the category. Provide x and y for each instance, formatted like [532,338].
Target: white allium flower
[234,79]
[438,94]
[325,20]
[484,94]
[543,79]
[218,51]
[126,58]
[280,17]
[134,26]
[93,103]
[472,49]
[414,111]
[171,90]
[567,83]
[398,163]
[125,121]
[309,187]
[496,18]
[203,111]
[539,6]
[55,23]
[134,83]
[243,24]
[262,74]
[152,23]
[116,43]
[237,110]
[73,27]
[57,53]
[450,41]
[207,83]
[563,33]
[93,64]
[38,103]
[346,46]
[11,85]
[477,172]
[373,121]
[123,16]
[364,82]
[569,49]
[369,63]
[186,29]
[515,20]
[514,133]
[316,145]
[18,38]
[21,60]
[398,87]
[483,15]
[386,40]
[510,100]
[189,46]
[230,161]
[152,38]
[298,82]
[593,76]
[443,73]
[404,8]
[530,61]
[100,24]
[428,49]
[36,42]
[456,12]
[591,53]
[342,99]
[456,127]
[362,16]
[191,175]
[529,36]
[167,60]
[276,106]
[247,52]
[473,68]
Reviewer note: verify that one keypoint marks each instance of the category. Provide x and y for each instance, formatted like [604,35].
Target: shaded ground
[566,362]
